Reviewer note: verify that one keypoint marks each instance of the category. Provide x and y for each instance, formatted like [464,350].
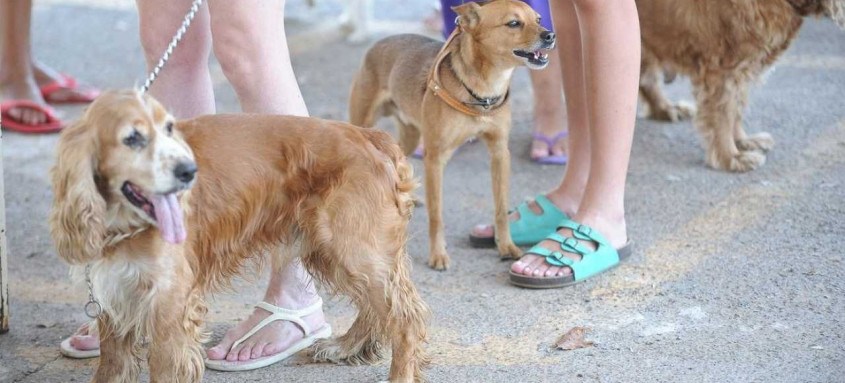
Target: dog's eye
[514,24]
[169,127]
[135,140]
[538,20]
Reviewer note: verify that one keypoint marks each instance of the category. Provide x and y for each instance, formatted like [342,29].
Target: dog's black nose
[547,36]
[185,171]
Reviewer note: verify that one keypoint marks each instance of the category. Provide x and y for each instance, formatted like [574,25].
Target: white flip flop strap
[278,313]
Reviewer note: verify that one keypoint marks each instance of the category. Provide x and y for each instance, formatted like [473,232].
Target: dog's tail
[405,181]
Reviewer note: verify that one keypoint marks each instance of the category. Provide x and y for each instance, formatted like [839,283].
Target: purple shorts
[541,6]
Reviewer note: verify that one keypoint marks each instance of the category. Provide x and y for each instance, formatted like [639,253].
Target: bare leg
[549,112]
[610,61]
[184,85]
[250,42]
[16,78]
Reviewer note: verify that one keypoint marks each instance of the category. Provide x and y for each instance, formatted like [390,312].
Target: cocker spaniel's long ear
[77,220]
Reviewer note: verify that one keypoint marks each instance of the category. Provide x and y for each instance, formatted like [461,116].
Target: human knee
[240,52]
[192,52]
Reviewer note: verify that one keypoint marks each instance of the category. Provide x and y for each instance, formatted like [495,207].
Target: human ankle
[566,202]
[294,298]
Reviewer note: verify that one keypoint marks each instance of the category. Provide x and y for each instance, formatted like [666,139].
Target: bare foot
[84,339]
[23,88]
[551,125]
[44,75]
[272,339]
[533,265]
[488,230]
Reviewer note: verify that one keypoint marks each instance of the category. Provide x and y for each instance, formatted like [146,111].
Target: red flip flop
[53,123]
[67,82]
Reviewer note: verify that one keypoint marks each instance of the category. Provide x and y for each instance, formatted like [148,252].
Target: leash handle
[173,43]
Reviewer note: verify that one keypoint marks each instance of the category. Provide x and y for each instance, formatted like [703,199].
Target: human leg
[611,54]
[184,84]
[16,77]
[250,43]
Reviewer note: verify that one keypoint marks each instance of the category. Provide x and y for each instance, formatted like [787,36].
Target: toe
[216,352]
[522,264]
[84,342]
[245,352]
[483,231]
[536,263]
[540,269]
[234,353]
[258,350]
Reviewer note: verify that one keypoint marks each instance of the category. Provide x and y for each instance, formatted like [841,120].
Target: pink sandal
[67,82]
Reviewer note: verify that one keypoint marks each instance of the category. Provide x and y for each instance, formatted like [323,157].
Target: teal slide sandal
[531,227]
[592,262]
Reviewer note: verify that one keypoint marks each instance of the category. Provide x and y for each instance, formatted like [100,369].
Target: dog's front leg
[719,96]
[176,353]
[500,166]
[761,142]
[435,160]
[651,92]
[119,360]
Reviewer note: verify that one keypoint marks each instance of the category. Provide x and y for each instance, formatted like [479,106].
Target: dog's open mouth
[163,209]
[539,57]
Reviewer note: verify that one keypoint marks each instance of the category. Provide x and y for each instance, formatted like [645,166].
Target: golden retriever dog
[165,212]
[724,46]
[449,92]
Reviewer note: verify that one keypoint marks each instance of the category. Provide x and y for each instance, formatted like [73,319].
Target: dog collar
[489,105]
[485,103]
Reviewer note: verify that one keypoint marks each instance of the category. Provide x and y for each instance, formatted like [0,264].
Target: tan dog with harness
[449,92]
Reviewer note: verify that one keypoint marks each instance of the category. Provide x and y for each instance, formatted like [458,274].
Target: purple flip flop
[561,159]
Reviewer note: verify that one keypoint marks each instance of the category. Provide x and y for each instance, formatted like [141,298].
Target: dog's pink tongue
[169,218]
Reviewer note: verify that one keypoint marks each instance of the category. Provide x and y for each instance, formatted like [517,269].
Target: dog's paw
[743,162]
[509,251]
[333,351]
[438,261]
[762,142]
[683,110]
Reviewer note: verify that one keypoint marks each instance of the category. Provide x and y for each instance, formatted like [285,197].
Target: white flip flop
[276,314]
[72,352]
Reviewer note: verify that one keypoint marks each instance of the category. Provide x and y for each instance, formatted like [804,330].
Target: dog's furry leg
[366,98]
[119,356]
[176,353]
[719,96]
[762,142]
[389,310]
[361,344]
[407,323]
[658,106]
[409,136]
[435,159]
[497,145]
